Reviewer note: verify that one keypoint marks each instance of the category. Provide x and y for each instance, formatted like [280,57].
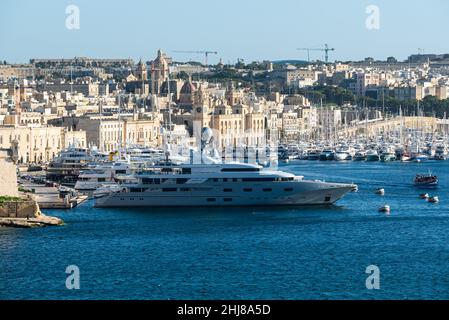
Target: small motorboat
[360,156]
[420,158]
[426,180]
[424,196]
[387,157]
[372,155]
[327,155]
[380,192]
[433,199]
[406,158]
[386,208]
[105,189]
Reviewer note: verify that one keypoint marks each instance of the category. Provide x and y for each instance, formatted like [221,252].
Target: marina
[197,252]
[282,153]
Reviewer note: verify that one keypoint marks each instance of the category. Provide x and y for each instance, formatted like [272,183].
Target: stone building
[159,73]
[39,143]
[108,132]
[138,83]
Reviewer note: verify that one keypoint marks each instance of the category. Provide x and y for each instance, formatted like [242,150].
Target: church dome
[188,88]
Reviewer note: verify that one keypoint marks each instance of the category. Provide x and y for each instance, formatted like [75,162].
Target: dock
[50,198]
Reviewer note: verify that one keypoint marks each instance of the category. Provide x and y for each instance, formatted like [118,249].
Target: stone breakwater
[41,221]
[25,214]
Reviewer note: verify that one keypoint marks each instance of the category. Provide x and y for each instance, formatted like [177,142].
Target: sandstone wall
[23,209]
[8,176]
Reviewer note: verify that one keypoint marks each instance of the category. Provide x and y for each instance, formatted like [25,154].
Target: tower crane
[326,50]
[205,52]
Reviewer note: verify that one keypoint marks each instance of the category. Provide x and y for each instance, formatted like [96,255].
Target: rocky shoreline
[39,221]
[24,213]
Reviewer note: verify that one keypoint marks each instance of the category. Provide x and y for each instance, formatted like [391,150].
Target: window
[169,190]
[288,189]
[240,170]
[247,190]
[181,180]
[186,170]
[259,179]
[227,190]
[211,199]
[185,189]
[227,199]
[267,190]
[101,179]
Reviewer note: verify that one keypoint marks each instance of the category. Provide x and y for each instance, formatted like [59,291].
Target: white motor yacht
[229,184]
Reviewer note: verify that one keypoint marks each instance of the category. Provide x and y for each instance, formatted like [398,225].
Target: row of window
[184,180]
[258,179]
[227,190]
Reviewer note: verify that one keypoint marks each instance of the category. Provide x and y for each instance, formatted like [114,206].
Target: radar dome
[206,135]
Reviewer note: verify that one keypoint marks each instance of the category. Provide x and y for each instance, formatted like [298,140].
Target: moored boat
[228,184]
[425,180]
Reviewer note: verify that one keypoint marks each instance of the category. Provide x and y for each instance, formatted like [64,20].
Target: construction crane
[326,50]
[205,52]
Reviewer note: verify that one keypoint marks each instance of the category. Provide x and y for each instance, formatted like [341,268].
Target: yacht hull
[306,193]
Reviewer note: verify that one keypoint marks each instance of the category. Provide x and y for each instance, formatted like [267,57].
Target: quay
[51,198]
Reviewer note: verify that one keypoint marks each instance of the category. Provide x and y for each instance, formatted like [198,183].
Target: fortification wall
[8,176]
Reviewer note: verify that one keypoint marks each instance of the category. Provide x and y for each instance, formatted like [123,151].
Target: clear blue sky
[248,29]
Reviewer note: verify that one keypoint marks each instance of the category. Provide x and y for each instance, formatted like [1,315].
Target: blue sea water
[246,253]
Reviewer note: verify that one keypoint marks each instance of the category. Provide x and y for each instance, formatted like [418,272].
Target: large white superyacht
[228,184]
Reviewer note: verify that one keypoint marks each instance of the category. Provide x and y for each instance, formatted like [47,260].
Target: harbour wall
[8,175]
[19,209]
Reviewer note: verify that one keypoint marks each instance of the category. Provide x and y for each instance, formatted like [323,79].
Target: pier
[50,198]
